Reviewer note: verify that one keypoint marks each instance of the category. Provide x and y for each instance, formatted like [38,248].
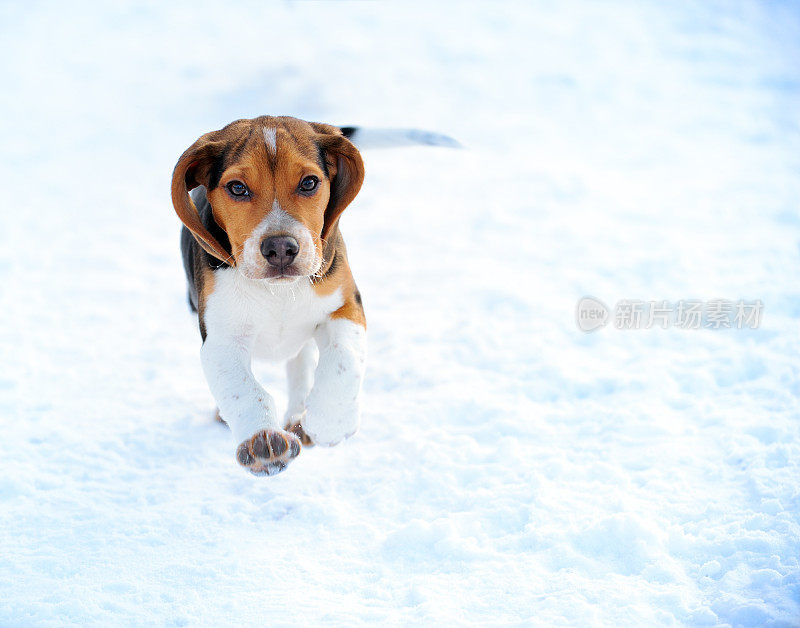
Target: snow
[510,469]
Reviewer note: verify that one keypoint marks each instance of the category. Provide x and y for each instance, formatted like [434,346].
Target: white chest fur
[274,319]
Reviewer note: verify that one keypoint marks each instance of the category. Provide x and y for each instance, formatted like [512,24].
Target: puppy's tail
[391,138]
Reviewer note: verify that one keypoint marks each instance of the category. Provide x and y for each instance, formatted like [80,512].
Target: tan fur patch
[205,287]
[340,277]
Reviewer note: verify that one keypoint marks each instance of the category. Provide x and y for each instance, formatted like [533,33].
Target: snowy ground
[510,469]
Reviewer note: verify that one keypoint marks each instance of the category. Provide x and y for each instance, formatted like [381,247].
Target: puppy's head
[277,187]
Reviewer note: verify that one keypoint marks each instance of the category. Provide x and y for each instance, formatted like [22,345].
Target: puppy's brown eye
[237,188]
[308,184]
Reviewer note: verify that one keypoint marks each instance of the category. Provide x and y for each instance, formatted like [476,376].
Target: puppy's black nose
[280,251]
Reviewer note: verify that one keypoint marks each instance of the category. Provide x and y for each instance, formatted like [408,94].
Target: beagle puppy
[266,264]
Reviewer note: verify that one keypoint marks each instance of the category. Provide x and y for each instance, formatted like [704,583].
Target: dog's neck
[331,249]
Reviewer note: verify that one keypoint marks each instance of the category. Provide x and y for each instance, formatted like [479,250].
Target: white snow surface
[510,469]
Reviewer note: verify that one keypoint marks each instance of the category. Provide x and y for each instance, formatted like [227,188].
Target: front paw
[268,452]
[328,426]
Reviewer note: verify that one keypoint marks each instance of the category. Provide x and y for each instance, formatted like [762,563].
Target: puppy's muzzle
[280,251]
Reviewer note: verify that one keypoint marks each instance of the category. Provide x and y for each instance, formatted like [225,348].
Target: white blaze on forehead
[271,139]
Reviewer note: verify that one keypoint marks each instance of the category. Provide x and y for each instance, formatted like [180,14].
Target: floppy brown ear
[346,169]
[190,171]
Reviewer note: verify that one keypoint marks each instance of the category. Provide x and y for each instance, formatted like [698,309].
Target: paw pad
[268,452]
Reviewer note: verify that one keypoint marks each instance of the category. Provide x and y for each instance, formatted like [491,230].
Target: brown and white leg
[263,447]
[332,406]
[300,379]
